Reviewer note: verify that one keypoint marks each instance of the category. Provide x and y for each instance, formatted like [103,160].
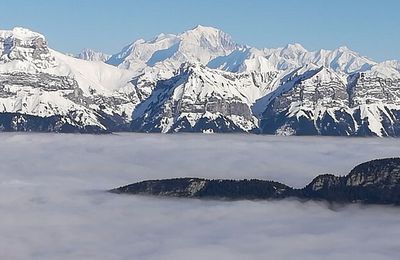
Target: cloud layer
[53,206]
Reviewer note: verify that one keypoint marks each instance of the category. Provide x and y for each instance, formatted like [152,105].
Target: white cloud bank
[52,205]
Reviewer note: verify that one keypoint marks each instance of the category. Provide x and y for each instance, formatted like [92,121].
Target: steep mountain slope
[291,57]
[136,55]
[196,81]
[324,102]
[169,51]
[37,81]
[243,60]
[198,99]
[155,62]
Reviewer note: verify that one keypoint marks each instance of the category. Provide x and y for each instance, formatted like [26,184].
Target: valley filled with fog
[53,202]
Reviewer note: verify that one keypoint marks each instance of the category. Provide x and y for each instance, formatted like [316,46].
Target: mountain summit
[200,44]
[196,81]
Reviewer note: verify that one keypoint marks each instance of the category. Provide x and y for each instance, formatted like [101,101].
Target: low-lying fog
[53,204]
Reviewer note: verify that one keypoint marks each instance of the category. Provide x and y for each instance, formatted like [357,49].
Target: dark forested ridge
[376,182]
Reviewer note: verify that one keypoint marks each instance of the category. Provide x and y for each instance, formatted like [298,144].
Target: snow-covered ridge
[196,96]
[21,34]
[200,81]
[291,57]
[22,45]
[200,44]
[38,81]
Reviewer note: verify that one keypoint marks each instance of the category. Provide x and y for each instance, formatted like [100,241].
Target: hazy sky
[53,204]
[367,26]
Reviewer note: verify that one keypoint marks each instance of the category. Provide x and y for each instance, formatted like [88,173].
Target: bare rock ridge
[375,182]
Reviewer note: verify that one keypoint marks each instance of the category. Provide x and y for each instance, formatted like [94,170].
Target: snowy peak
[137,55]
[201,81]
[203,44]
[20,43]
[21,34]
[200,44]
[209,38]
[294,55]
[293,51]
[201,99]
[384,70]
[344,49]
[45,90]
[290,57]
[346,60]
[160,37]
[206,31]
[296,47]
[91,55]
[215,48]
[24,48]
[202,29]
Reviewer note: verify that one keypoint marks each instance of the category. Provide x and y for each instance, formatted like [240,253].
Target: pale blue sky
[367,26]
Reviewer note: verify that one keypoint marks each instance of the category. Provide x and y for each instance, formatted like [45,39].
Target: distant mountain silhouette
[375,182]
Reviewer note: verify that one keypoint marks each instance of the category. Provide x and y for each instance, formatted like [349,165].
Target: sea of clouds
[53,203]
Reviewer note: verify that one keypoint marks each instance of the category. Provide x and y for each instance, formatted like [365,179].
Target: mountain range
[198,81]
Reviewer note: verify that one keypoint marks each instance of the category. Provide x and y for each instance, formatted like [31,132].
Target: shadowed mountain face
[376,182]
[11,122]
[203,188]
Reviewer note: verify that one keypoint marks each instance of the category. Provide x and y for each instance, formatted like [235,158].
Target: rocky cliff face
[43,90]
[198,99]
[324,102]
[382,174]
[376,182]
[201,81]
[24,45]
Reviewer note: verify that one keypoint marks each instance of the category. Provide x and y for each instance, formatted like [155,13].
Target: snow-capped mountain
[91,55]
[168,51]
[320,101]
[68,93]
[197,81]
[291,57]
[197,99]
